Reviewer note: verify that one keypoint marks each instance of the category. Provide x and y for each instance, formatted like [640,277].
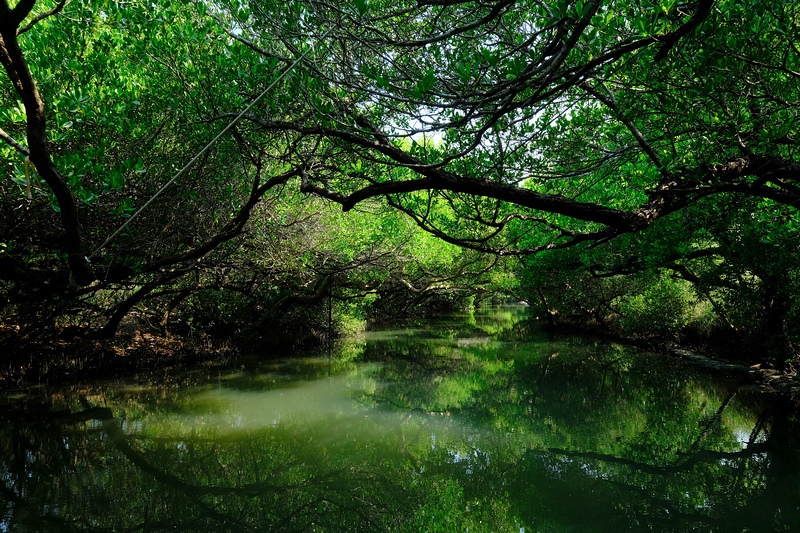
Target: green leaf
[427,81]
[489,56]
[361,6]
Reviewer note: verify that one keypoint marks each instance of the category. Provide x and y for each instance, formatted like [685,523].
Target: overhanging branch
[10,140]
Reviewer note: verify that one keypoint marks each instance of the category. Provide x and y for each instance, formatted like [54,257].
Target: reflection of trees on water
[614,431]
[117,481]
[753,489]
[456,435]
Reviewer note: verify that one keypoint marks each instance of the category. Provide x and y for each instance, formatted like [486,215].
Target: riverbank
[762,376]
[63,357]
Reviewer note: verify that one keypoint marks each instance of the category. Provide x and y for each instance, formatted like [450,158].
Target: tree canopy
[644,140]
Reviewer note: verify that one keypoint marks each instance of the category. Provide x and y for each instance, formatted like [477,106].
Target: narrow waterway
[471,422]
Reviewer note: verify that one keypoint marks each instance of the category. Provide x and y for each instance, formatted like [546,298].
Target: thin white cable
[205,148]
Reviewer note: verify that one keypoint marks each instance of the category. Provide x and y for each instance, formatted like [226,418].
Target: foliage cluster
[638,160]
[232,249]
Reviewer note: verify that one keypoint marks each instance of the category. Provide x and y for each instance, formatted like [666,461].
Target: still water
[475,422]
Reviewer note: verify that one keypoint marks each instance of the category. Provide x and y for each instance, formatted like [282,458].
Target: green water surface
[473,422]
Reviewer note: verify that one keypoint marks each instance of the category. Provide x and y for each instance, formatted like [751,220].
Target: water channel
[471,422]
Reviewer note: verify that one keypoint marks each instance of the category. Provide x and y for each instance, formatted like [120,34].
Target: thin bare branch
[42,16]
[7,138]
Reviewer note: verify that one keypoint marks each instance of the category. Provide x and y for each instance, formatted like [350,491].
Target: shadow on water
[476,422]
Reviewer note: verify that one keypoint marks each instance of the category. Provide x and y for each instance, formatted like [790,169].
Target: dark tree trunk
[16,67]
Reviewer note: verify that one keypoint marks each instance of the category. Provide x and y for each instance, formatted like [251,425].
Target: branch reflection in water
[476,422]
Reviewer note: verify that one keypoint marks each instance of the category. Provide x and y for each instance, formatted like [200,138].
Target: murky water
[475,422]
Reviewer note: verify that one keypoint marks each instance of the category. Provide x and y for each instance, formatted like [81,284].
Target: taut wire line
[206,147]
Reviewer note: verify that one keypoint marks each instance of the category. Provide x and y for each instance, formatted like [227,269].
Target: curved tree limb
[43,16]
[16,68]
[15,16]
[10,140]
[232,229]
[669,40]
